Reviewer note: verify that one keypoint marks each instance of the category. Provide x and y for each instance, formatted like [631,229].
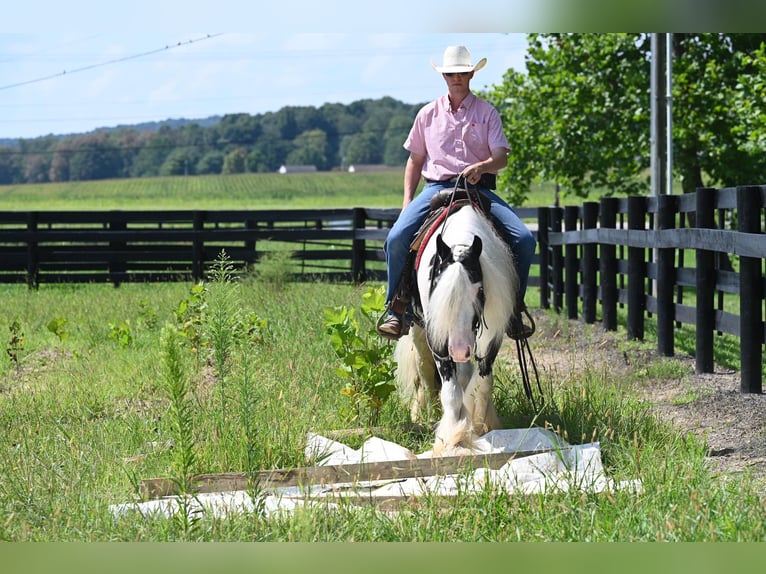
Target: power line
[109,62]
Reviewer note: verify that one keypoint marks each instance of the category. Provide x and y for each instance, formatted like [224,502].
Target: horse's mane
[500,279]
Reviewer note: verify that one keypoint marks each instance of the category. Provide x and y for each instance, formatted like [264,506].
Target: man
[456,136]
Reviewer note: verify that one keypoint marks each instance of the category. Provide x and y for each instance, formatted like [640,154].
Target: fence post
[117,257]
[543,242]
[571,262]
[706,277]
[667,206]
[358,269]
[636,270]
[608,265]
[749,211]
[250,256]
[198,246]
[557,255]
[33,254]
[589,264]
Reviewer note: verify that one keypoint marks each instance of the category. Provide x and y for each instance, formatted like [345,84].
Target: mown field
[101,387]
[242,191]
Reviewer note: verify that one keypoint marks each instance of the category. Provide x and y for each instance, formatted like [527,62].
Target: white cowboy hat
[458,59]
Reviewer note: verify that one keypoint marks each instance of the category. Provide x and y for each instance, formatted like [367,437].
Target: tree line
[578,116]
[329,137]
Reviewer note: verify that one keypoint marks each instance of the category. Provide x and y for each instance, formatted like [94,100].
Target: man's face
[458,79]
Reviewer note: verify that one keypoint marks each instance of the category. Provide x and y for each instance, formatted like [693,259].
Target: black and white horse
[467,285]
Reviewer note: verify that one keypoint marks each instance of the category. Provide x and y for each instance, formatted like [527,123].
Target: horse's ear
[476,246]
[442,249]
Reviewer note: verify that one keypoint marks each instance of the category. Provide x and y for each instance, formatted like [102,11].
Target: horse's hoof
[439,447]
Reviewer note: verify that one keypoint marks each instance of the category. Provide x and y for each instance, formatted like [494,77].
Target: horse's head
[456,298]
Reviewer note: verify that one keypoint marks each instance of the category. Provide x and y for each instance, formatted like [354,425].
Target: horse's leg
[478,402]
[454,428]
[427,391]
[416,373]
[483,414]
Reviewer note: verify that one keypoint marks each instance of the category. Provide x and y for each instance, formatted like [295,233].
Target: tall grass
[87,416]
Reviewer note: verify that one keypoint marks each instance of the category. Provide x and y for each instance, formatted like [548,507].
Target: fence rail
[681,258]
[633,252]
[122,246]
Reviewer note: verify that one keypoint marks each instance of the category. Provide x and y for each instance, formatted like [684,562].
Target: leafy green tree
[9,165]
[59,169]
[151,156]
[94,156]
[238,130]
[364,147]
[749,95]
[210,163]
[37,167]
[396,133]
[234,162]
[311,148]
[180,161]
[255,162]
[580,115]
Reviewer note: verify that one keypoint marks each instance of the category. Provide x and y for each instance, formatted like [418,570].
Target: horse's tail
[416,377]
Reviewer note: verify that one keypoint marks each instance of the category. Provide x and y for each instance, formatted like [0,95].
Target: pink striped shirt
[451,141]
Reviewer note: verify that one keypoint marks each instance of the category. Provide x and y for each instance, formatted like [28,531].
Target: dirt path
[709,405]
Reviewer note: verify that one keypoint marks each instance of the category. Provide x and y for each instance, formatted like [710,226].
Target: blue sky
[76,66]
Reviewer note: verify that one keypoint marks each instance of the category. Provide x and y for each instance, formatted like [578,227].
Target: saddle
[442,204]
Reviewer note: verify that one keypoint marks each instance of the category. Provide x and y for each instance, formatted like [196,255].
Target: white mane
[500,280]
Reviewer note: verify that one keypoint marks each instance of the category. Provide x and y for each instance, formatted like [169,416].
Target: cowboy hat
[458,59]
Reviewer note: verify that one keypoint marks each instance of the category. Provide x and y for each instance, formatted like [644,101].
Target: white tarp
[561,468]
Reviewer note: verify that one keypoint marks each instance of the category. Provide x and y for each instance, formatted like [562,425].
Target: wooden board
[153,488]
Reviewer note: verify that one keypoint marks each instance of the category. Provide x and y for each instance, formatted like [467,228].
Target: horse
[466,291]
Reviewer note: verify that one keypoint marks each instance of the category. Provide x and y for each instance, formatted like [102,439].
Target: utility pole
[661,118]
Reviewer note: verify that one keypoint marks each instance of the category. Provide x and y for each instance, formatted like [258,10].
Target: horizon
[63,84]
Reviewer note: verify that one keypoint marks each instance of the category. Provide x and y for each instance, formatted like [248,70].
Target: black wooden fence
[654,254]
[123,246]
[649,254]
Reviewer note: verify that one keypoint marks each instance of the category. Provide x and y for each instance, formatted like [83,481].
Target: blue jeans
[397,244]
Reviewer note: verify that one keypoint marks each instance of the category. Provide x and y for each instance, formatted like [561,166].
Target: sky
[73,66]
[79,69]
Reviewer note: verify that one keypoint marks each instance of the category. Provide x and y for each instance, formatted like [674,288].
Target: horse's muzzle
[460,353]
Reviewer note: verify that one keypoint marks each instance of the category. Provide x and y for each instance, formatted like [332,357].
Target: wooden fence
[652,255]
[123,246]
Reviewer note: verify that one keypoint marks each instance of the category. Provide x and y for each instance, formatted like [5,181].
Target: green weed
[366,361]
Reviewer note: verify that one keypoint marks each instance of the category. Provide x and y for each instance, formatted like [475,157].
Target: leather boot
[395,325]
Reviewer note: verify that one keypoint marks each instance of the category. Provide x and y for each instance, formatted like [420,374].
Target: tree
[310,149]
[94,156]
[9,168]
[151,156]
[211,162]
[180,161]
[580,116]
[238,130]
[234,162]
[750,92]
[364,147]
[396,133]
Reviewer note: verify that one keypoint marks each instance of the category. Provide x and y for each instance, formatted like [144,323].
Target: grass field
[246,191]
[101,387]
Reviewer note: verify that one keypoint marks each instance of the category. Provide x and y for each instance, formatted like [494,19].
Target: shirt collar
[465,104]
